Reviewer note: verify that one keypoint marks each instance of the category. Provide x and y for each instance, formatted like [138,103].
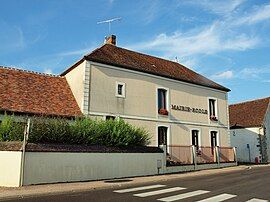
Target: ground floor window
[195,138]
[162,135]
[214,140]
[109,118]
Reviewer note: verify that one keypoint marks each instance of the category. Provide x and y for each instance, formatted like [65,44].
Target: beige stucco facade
[139,106]
[75,79]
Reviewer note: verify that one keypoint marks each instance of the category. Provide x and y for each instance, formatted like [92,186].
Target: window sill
[120,96]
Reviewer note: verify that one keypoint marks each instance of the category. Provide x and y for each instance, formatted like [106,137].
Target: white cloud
[217,6]
[221,35]
[253,73]
[223,75]
[259,14]
[81,52]
[48,71]
[207,40]
[12,39]
[245,73]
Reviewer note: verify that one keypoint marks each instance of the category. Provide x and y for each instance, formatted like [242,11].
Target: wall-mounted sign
[189,109]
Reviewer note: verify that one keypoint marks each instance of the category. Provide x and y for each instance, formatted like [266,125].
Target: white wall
[49,167]
[240,138]
[10,165]
[267,133]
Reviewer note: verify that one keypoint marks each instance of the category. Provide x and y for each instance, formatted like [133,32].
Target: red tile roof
[116,56]
[28,92]
[249,114]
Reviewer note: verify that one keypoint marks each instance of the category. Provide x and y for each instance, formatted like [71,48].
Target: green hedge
[10,130]
[82,131]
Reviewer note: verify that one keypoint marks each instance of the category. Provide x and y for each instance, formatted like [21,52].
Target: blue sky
[227,41]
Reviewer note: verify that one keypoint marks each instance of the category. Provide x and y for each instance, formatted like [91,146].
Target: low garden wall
[68,163]
[10,167]
[52,163]
[50,167]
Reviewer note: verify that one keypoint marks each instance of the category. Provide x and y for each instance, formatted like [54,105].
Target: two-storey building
[175,104]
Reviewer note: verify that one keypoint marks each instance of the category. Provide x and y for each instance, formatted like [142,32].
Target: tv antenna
[109,21]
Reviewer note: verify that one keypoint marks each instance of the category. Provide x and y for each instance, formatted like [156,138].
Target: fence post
[25,139]
[217,155]
[234,153]
[194,156]
[164,164]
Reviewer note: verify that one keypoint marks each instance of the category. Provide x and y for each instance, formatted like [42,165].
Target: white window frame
[199,136]
[123,89]
[167,99]
[218,139]
[216,106]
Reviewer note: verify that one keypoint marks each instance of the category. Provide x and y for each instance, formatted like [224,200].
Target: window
[195,138]
[162,102]
[110,118]
[162,135]
[120,90]
[213,109]
[214,140]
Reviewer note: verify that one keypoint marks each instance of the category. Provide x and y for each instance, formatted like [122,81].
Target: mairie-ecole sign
[189,109]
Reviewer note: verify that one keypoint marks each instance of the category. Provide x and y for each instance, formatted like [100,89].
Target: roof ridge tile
[29,71]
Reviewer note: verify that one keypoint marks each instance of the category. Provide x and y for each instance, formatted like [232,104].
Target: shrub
[85,131]
[10,130]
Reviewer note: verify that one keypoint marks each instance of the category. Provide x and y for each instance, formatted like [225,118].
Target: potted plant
[163,111]
[213,118]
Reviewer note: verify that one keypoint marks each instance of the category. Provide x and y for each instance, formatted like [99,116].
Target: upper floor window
[162,101]
[120,90]
[213,109]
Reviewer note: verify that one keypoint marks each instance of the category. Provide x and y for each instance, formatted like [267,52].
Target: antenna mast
[109,21]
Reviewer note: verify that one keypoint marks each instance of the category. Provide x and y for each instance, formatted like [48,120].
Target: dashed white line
[218,198]
[162,191]
[257,200]
[183,196]
[139,188]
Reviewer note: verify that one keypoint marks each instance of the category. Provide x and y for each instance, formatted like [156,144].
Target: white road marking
[183,196]
[139,188]
[162,191]
[257,200]
[218,198]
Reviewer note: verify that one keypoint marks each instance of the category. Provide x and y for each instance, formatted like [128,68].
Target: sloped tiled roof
[33,93]
[116,56]
[248,114]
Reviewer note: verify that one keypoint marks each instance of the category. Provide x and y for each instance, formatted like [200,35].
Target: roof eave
[224,89]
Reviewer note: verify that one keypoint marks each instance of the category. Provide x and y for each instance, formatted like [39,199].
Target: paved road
[245,185]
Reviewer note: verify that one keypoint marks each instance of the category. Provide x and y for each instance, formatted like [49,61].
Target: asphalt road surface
[244,185]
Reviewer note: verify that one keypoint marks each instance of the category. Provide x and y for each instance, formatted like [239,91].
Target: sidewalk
[60,188]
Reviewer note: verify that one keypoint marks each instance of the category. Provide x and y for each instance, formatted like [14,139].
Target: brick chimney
[110,40]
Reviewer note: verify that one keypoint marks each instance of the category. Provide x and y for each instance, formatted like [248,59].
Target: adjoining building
[250,130]
[175,104]
[30,93]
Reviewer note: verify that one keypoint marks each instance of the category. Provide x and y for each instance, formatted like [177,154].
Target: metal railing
[187,155]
